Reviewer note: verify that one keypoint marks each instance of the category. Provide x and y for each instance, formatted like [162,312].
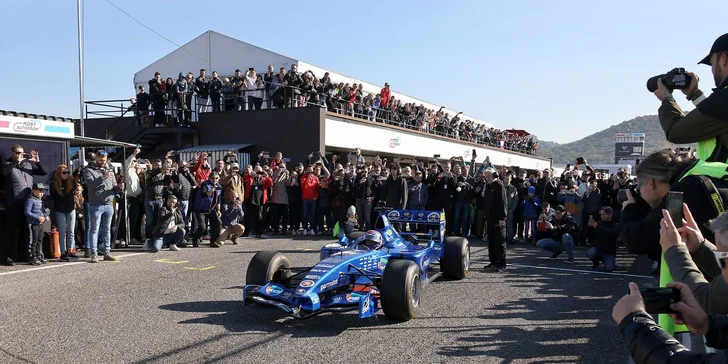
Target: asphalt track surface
[185,307]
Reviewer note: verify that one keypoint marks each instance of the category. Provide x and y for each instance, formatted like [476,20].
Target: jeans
[87,220]
[151,208]
[66,223]
[558,247]
[100,227]
[133,207]
[185,207]
[595,255]
[171,239]
[462,210]
[530,226]
[509,227]
[364,213]
[309,214]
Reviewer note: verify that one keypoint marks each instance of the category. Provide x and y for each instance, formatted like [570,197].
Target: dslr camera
[676,78]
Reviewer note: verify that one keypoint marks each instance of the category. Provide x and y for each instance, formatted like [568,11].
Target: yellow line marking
[206,268]
[171,262]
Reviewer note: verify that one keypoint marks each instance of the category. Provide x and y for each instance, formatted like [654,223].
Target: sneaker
[42,260]
[313,232]
[87,254]
[173,247]
[214,244]
[305,232]
[34,261]
[500,269]
[556,255]
[595,265]
[109,258]
[64,257]
[294,232]
[9,262]
[235,241]
[148,244]
[220,243]
[570,261]
[94,258]
[72,255]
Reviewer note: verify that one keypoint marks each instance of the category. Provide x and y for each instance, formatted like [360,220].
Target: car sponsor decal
[287,295]
[393,215]
[324,265]
[433,217]
[365,307]
[337,299]
[319,270]
[374,291]
[312,276]
[307,283]
[352,297]
[329,284]
[273,290]
[332,245]
[407,214]
[315,299]
[425,261]
[300,291]
[382,263]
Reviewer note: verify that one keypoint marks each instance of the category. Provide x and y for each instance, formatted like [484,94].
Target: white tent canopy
[217,52]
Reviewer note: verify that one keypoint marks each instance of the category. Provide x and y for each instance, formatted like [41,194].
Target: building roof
[35,116]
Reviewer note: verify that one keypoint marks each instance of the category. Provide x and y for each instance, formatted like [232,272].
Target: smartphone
[286,160]
[674,205]
[266,156]
[658,300]
[178,205]
[580,160]
[436,156]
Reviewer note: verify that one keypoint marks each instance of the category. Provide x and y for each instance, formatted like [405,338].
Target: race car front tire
[455,260]
[264,267]
[400,290]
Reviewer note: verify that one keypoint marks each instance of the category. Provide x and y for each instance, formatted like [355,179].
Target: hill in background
[598,148]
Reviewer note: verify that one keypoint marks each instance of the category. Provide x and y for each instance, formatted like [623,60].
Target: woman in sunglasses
[63,192]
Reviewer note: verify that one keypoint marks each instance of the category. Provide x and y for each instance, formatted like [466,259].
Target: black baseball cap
[559,208]
[720,45]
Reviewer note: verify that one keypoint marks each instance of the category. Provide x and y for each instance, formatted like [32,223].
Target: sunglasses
[102,153]
[721,258]
[66,172]
[17,153]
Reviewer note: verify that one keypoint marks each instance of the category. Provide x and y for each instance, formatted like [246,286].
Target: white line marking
[62,265]
[569,270]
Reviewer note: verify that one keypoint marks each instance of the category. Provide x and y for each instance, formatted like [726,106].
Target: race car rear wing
[422,217]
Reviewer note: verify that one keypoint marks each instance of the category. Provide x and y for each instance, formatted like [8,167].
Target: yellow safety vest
[701,168]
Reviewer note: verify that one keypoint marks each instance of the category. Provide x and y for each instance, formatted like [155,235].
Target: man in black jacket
[18,172]
[561,227]
[496,212]
[157,182]
[649,343]
[395,189]
[606,232]
[364,195]
[441,194]
[170,227]
[157,95]
[184,181]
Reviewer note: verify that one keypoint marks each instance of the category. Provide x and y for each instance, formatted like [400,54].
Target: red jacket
[385,97]
[309,187]
[201,174]
[248,181]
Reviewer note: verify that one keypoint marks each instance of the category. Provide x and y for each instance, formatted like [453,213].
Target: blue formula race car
[366,271]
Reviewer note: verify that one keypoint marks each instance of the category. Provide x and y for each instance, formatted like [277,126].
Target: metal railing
[274,95]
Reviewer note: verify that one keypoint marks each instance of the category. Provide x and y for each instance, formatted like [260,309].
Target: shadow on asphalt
[238,318]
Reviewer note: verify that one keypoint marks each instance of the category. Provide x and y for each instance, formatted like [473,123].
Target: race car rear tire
[355,235]
[264,266]
[400,290]
[455,261]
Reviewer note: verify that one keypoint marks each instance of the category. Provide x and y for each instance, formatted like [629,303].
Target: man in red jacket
[309,195]
[386,95]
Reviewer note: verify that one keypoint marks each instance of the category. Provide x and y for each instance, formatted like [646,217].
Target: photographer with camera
[170,227]
[707,124]
[647,341]
[658,174]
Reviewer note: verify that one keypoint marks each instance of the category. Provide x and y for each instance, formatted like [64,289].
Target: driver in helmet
[371,240]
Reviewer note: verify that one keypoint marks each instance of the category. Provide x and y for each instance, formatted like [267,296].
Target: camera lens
[652,83]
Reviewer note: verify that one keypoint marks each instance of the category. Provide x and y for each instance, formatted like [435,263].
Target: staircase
[149,138]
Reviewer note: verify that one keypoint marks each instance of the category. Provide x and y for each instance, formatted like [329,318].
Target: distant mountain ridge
[598,148]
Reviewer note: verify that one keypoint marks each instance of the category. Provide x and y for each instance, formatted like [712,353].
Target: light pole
[82,152]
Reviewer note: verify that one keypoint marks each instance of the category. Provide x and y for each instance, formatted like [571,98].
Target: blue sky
[559,69]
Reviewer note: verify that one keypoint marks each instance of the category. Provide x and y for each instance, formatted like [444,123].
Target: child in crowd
[350,223]
[36,215]
[530,215]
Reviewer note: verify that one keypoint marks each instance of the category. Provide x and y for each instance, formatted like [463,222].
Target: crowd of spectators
[171,102]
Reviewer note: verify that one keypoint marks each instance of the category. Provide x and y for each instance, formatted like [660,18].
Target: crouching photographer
[707,124]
